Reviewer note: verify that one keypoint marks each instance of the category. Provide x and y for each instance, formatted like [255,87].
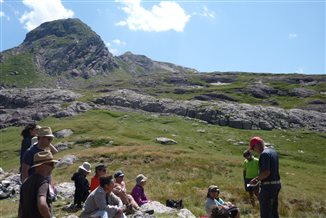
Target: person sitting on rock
[102,202]
[81,184]
[213,200]
[138,192]
[100,170]
[121,191]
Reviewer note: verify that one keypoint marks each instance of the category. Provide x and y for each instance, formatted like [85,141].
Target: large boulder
[65,190]
[63,133]
[301,92]
[66,161]
[167,211]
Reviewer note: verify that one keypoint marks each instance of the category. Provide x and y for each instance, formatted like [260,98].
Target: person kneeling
[102,202]
[213,200]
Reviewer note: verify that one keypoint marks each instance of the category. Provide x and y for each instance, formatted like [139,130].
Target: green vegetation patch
[213,155]
[19,70]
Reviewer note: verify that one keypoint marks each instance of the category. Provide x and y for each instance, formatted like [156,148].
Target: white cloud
[119,42]
[167,15]
[2,14]
[42,11]
[300,70]
[292,35]
[205,13]
[115,45]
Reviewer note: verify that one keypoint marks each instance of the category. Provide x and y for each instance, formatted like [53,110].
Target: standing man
[250,171]
[268,177]
[35,200]
[45,137]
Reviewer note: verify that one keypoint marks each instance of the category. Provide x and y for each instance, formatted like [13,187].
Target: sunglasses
[49,138]
[51,164]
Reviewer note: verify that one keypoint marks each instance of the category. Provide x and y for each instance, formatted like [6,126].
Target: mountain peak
[70,48]
[60,28]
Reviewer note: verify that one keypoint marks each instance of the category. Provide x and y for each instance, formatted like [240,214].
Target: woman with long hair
[29,132]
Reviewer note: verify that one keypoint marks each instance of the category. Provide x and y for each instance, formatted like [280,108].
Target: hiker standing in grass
[81,184]
[269,178]
[35,199]
[250,171]
[44,137]
[29,132]
[100,170]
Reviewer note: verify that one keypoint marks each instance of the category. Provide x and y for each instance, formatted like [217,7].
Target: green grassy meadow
[185,170]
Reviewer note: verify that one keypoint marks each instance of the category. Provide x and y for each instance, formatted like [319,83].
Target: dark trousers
[268,201]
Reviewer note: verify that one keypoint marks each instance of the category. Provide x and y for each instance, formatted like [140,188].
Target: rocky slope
[66,48]
[20,106]
[242,116]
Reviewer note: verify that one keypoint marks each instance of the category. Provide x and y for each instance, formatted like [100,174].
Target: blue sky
[253,36]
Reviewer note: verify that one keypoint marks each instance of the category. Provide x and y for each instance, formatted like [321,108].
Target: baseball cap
[254,141]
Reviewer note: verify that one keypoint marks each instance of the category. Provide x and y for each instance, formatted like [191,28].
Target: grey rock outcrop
[63,133]
[302,92]
[61,146]
[9,185]
[171,212]
[22,106]
[260,90]
[66,190]
[66,161]
[165,141]
[242,116]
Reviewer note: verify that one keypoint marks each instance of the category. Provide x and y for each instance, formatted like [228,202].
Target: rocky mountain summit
[67,48]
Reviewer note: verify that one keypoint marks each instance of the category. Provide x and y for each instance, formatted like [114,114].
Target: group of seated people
[109,197]
[106,196]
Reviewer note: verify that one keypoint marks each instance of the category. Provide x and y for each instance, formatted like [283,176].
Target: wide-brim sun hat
[86,167]
[141,178]
[43,157]
[45,132]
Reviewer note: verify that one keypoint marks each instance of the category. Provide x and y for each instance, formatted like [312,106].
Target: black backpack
[174,203]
